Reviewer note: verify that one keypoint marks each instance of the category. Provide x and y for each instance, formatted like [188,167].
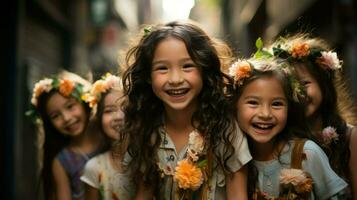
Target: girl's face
[262,109]
[312,89]
[175,78]
[113,116]
[67,115]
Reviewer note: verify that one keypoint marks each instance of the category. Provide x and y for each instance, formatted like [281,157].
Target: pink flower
[329,134]
[297,178]
[329,60]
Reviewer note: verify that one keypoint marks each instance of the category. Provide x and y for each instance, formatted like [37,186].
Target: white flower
[330,60]
[112,81]
[195,142]
[44,85]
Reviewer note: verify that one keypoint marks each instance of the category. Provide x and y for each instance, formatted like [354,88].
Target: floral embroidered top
[176,165]
[112,184]
[326,183]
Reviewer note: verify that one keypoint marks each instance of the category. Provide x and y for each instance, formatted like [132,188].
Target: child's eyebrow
[167,61]
[251,97]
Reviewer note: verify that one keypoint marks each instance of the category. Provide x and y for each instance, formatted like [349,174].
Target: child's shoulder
[312,149]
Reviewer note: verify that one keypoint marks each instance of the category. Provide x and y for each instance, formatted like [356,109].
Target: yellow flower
[66,87]
[98,87]
[187,175]
[300,50]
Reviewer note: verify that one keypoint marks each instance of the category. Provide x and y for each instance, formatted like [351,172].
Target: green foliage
[261,53]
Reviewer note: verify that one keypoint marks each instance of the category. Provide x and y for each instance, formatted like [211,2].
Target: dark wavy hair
[296,126]
[338,152]
[54,142]
[143,110]
[336,107]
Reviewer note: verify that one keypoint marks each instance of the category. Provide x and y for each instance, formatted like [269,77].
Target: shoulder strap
[297,154]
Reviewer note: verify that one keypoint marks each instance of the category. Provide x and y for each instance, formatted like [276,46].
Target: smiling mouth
[263,126]
[177,92]
[72,126]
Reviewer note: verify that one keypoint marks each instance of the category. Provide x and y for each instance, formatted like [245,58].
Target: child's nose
[265,112]
[118,115]
[175,77]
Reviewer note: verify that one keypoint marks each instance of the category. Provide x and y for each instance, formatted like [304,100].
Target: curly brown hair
[144,110]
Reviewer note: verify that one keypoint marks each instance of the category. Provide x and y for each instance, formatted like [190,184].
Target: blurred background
[42,37]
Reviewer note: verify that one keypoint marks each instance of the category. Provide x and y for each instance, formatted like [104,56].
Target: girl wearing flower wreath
[183,142]
[266,97]
[69,140]
[330,113]
[103,174]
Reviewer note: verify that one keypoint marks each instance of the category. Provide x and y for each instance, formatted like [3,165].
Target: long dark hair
[336,103]
[296,125]
[54,142]
[143,110]
[338,152]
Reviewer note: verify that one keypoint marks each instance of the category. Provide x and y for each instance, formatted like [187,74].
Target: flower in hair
[240,70]
[329,60]
[66,87]
[328,135]
[101,86]
[44,85]
[300,50]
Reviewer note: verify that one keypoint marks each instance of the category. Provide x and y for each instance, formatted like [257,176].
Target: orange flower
[243,71]
[240,70]
[300,50]
[187,175]
[66,87]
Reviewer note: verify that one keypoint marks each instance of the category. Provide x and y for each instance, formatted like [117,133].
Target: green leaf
[259,43]
[202,163]
[55,83]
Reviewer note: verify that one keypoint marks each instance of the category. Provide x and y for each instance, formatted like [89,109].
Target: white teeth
[264,126]
[177,92]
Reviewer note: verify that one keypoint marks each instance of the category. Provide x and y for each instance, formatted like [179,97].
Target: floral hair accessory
[328,135]
[147,30]
[295,184]
[240,70]
[299,50]
[65,86]
[101,86]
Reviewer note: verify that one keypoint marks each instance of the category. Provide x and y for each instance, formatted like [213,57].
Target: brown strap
[208,174]
[298,155]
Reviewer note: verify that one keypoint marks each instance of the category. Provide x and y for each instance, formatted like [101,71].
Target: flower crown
[244,69]
[101,86]
[305,50]
[65,86]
